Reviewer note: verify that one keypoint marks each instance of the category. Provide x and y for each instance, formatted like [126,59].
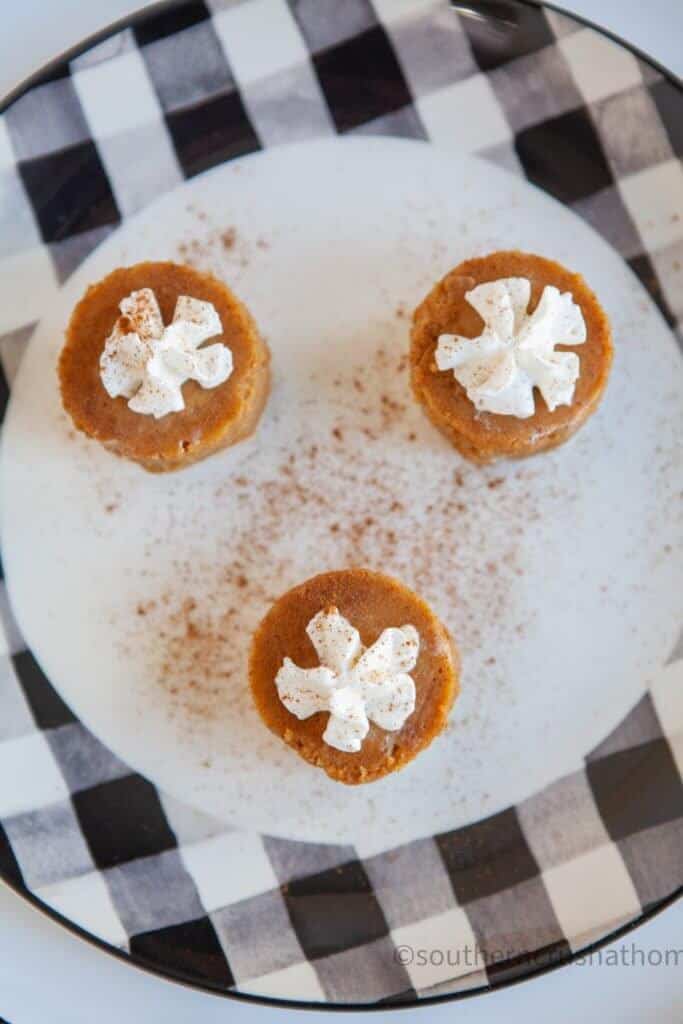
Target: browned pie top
[371,602]
[446,311]
[206,410]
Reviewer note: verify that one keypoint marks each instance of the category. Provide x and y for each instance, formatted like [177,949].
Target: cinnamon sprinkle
[346,498]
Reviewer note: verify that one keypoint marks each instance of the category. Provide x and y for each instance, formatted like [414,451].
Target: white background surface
[48,974]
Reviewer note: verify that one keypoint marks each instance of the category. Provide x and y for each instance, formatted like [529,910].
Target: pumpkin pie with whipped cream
[163,365]
[355,672]
[510,354]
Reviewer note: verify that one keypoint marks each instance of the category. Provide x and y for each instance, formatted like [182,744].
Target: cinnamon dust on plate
[328,500]
[217,247]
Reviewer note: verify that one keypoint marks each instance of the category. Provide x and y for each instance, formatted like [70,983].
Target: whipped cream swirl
[516,350]
[356,685]
[148,363]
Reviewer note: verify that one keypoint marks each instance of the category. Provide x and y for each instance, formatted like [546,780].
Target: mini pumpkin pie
[137,375]
[510,354]
[354,672]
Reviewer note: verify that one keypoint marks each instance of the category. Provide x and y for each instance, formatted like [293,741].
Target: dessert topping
[148,363]
[516,350]
[356,685]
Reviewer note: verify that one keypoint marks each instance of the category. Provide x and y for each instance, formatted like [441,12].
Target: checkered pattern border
[181,91]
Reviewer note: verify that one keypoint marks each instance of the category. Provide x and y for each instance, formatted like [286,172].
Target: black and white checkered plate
[190,86]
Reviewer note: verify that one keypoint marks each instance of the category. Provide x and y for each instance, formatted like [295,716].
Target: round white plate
[558,577]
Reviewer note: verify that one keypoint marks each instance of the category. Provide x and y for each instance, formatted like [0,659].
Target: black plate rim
[176,976]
